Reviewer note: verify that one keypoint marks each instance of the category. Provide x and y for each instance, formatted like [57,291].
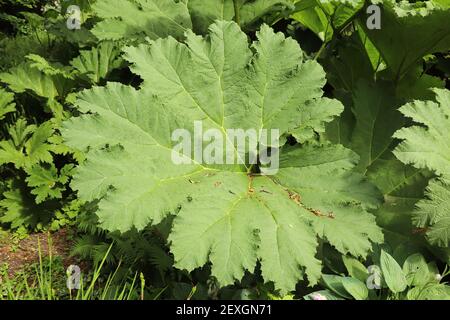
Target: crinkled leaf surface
[25,151]
[47,182]
[434,213]
[409,31]
[204,13]
[377,118]
[24,77]
[18,208]
[7,104]
[134,19]
[98,62]
[29,77]
[228,215]
[124,19]
[427,146]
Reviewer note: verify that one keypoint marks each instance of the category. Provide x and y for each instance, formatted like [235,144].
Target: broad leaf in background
[250,12]
[325,17]
[41,79]
[377,118]
[409,31]
[346,287]
[433,213]
[14,49]
[126,19]
[402,186]
[97,63]
[348,64]
[426,147]
[220,80]
[51,69]
[417,85]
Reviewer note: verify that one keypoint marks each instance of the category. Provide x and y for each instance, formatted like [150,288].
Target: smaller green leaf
[46,182]
[28,145]
[355,268]
[392,273]
[48,68]
[18,208]
[356,288]
[24,77]
[335,284]
[134,19]
[416,270]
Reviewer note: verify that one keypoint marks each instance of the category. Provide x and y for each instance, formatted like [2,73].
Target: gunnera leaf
[229,215]
[136,19]
[132,19]
[409,31]
[426,146]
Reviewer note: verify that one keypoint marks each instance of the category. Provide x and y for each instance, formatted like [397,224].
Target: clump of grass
[47,280]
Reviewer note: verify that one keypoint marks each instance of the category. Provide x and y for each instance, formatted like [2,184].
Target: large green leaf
[409,31]
[427,147]
[402,186]
[377,118]
[204,13]
[433,213]
[229,215]
[132,19]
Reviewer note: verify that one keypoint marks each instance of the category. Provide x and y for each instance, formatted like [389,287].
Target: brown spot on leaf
[295,197]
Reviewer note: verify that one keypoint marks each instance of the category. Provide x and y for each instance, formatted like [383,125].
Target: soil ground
[24,252]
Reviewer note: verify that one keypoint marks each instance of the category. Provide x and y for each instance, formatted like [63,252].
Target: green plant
[416,280]
[47,280]
[268,201]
